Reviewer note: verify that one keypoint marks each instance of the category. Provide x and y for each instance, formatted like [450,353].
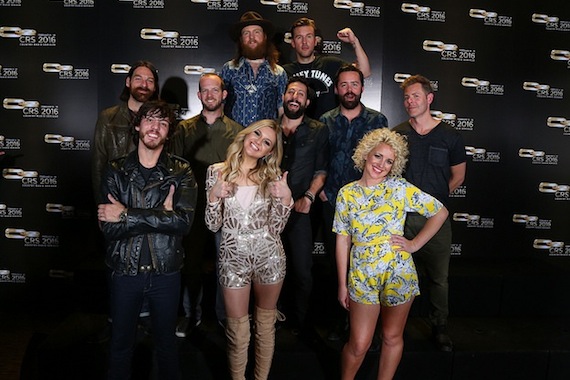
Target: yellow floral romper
[370,215]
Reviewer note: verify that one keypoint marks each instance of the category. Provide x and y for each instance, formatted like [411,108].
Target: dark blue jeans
[127,293]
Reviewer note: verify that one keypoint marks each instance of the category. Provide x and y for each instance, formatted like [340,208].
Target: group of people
[239,182]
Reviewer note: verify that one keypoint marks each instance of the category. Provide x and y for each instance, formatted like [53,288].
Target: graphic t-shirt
[320,73]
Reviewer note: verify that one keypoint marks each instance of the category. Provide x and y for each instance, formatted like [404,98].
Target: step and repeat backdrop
[500,70]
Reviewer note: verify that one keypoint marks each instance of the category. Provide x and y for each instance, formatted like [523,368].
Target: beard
[212,106]
[140,94]
[293,115]
[350,104]
[256,52]
[152,144]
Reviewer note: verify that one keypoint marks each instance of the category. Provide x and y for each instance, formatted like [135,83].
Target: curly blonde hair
[267,168]
[383,135]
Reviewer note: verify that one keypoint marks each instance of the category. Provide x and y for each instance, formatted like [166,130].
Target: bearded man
[305,158]
[150,198]
[347,124]
[113,136]
[254,80]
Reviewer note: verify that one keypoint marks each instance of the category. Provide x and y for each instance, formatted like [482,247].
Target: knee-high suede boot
[237,334]
[264,341]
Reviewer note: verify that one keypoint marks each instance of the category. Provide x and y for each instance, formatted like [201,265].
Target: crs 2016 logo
[554,248]
[538,156]
[8,72]
[444,116]
[31,108]
[230,5]
[482,155]
[473,220]
[65,71]
[561,192]
[78,3]
[10,212]
[287,6]
[170,39]
[551,22]
[9,143]
[7,276]
[58,208]
[28,37]
[10,3]
[32,238]
[146,4]
[120,68]
[482,86]
[449,52]
[67,142]
[459,123]
[561,55]
[30,178]
[532,221]
[460,192]
[198,70]
[543,90]
[357,8]
[559,122]
[401,77]
[423,13]
[491,18]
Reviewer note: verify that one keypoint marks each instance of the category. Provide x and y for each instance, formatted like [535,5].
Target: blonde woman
[249,200]
[376,273]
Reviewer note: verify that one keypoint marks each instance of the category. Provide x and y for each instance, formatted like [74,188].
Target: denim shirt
[344,136]
[252,98]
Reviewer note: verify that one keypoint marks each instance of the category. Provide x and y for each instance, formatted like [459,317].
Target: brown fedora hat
[251,18]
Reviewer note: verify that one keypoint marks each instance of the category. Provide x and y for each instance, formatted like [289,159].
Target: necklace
[251,88]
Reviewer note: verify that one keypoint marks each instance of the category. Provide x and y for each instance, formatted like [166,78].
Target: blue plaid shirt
[252,98]
[343,139]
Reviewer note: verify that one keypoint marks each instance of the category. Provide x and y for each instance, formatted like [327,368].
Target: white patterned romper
[250,248]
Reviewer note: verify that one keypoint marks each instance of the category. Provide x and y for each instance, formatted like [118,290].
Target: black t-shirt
[431,158]
[145,258]
[320,73]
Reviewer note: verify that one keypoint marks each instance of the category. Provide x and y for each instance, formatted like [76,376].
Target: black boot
[442,339]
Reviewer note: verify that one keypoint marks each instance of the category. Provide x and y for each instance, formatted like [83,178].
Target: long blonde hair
[267,168]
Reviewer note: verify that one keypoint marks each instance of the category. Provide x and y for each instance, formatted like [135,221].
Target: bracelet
[123,216]
[309,195]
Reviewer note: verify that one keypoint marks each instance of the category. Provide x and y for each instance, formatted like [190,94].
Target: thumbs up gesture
[221,189]
[279,189]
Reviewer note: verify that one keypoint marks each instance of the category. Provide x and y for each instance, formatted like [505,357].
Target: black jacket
[146,214]
[113,139]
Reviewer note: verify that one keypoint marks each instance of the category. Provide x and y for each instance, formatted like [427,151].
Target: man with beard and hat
[347,124]
[254,80]
[113,136]
[320,69]
[305,158]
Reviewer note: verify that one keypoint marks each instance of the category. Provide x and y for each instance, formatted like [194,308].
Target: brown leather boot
[264,322]
[238,335]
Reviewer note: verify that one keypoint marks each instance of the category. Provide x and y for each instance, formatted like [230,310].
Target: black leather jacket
[146,214]
[113,138]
